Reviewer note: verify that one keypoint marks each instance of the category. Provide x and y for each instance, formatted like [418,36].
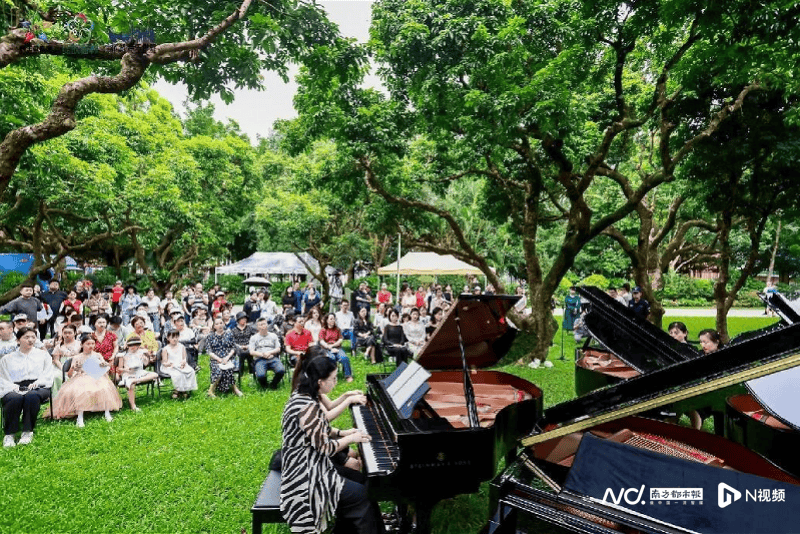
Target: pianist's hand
[357,399]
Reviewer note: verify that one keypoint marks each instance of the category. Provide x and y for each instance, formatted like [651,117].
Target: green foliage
[10,280]
[232,285]
[597,280]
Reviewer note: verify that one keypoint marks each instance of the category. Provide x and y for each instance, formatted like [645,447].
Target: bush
[233,286]
[10,280]
[597,280]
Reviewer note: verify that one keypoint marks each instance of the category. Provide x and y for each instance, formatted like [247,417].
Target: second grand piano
[453,437]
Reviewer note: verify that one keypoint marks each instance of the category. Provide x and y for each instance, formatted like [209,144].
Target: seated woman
[25,379]
[365,337]
[84,393]
[66,346]
[175,363]
[314,323]
[415,332]
[394,339]
[131,369]
[330,338]
[710,341]
[221,350]
[147,337]
[312,491]
[105,342]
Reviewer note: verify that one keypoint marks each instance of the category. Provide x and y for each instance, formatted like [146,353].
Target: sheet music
[407,383]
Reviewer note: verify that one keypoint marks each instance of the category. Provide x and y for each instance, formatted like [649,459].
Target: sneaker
[26,438]
[8,441]
[534,364]
[548,364]
[80,424]
[135,409]
[109,418]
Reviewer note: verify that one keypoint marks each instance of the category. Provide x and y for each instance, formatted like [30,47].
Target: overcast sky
[255,111]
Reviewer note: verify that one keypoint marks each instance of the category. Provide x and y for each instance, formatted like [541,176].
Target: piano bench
[267,508]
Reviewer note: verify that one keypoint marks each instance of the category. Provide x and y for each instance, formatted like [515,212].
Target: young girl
[132,369]
[183,376]
[83,393]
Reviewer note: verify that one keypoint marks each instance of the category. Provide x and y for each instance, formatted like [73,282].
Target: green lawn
[196,466]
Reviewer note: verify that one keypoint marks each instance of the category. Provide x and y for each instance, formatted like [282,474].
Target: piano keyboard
[381,454]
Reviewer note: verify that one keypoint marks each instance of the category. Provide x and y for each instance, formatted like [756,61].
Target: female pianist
[312,491]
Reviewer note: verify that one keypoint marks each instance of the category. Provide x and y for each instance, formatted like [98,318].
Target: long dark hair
[316,369]
[313,352]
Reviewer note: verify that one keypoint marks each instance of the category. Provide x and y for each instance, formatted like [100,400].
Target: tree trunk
[774,251]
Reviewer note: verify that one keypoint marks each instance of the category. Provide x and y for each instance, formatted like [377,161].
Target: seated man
[298,339]
[265,348]
[8,342]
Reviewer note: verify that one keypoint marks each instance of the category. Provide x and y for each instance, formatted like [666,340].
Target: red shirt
[299,342]
[116,293]
[330,336]
[384,296]
[420,300]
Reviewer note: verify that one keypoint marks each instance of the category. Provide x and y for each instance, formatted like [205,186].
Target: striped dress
[310,486]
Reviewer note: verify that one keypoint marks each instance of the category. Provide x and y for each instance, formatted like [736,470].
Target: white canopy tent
[429,263]
[266,263]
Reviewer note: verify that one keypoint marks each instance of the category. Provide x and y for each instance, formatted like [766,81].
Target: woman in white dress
[173,358]
[415,332]
[67,346]
[131,367]
[314,323]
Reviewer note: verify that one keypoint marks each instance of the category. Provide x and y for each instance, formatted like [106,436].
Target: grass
[196,466]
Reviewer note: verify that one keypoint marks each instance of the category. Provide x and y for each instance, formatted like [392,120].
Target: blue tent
[22,262]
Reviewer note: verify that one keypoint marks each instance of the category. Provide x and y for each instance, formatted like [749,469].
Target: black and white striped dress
[310,485]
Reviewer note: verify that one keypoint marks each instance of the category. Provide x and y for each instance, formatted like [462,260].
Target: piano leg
[405,518]
[423,510]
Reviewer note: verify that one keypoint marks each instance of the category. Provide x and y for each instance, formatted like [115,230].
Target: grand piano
[623,346]
[450,440]
[766,417]
[591,463]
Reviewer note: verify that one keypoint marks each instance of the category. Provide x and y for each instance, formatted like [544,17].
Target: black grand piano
[591,459]
[623,346]
[766,417]
[453,437]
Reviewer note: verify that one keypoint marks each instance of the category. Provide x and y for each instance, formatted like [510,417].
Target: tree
[542,100]
[217,54]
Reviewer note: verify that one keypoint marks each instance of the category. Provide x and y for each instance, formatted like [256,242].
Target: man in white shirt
[344,320]
[265,348]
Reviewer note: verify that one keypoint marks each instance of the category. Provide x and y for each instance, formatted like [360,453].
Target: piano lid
[635,341]
[678,493]
[779,395]
[485,331]
[786,306]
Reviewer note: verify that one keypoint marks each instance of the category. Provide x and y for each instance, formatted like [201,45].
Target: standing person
[344,320]
[131,370]
[420,295]
[116,294]
[83,393]
[241,333]
[265,348]
[638,305]
[175,363]
[26,303]
[25,379]
[252,307]
[221,351]
[298,298]
[330,339]
[362,298]
[625,293]
[522,303]
[128,304]
[96,305]
[53,297]
[311,299]
[612,292]
[153,309]
[312,491]
[572,309]
[769,291]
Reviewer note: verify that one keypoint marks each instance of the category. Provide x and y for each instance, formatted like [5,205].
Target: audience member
[313,323]
[105,342]
[265,348]
[175,363]
[131,369]
[311,299]
[269,310]
[25,379]
[116,295]
[394,339]
[344,320]
[241,334]
[84,393]
[153,309]
[8,341]
[365,336]
[128,304]
[25,304]
[66,346]
[415,332]
[221,350]
[54,297]
[297,341]
[384,296]
[330,338]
